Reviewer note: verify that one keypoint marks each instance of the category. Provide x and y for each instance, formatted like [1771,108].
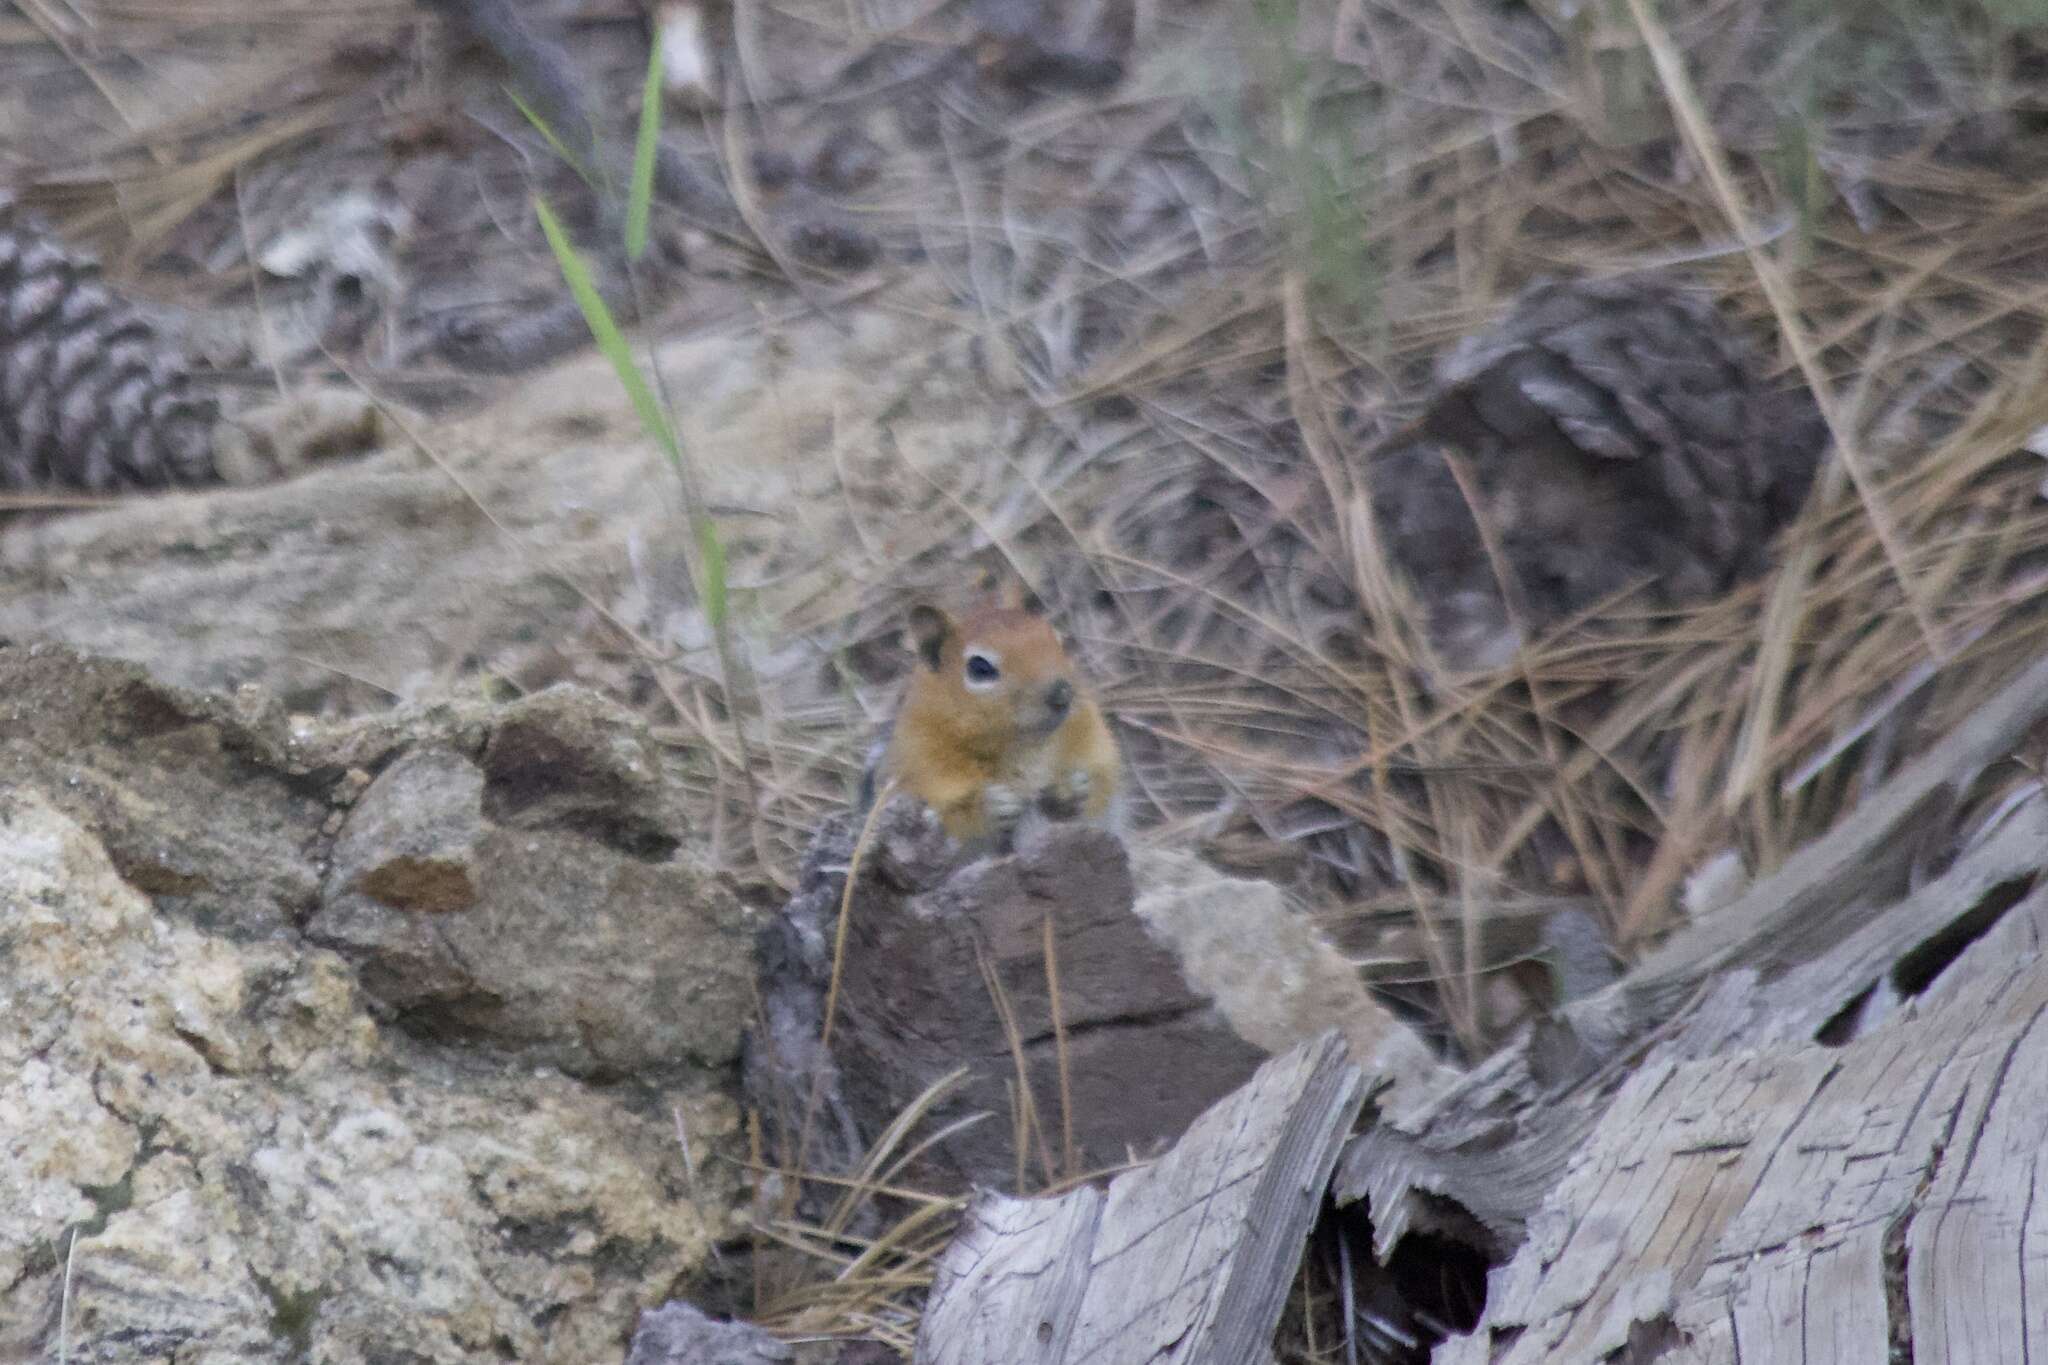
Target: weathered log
[1187,1260]
[1809,1127]
[1498,1142]
[1811,1203]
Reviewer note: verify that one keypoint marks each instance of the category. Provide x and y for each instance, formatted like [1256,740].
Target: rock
[274,1004]
[534,900]
[410,843]
[564,759]
[1169,999]
[1271,972]
[507,877]
[578,958]
[234,1162]
[679,1334]
[206,809]
[287,435]
[542,524]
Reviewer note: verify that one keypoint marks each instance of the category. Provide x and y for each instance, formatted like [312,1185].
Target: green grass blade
[712,589]
[640,193]
[604,329]
[561,149]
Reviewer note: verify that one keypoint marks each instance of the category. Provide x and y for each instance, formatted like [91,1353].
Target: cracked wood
[1186,1261]
[1755,1205]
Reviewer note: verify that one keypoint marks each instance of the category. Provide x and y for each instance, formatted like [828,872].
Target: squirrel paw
[1066,796]
[1004,807]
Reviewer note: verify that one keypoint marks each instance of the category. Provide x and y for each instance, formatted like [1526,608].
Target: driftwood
[1815,897]
[1186,1260]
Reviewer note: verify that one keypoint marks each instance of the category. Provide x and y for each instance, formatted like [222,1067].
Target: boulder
[507,876]
[350,1042]
[1173,984]
[532,898]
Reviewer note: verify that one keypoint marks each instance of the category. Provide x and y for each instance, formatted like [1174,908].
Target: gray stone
[234,1162]
[573,933]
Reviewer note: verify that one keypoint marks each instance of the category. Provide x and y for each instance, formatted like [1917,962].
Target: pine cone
[91,396]
[1616,433]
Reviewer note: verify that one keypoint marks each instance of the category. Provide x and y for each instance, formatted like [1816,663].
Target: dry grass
[833,1282]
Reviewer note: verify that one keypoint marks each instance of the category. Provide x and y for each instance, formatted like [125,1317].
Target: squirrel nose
[1059,697]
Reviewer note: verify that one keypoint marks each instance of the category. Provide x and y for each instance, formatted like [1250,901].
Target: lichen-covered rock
[235,1163]
[546,941]
[543,523]
[509,877]
[262,1148]
[1270,970]
[209,805]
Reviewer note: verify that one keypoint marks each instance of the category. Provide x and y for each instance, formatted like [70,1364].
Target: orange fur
[983,754]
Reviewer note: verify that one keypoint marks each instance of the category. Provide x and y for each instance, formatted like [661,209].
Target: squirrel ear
[929,630]
[1011,592]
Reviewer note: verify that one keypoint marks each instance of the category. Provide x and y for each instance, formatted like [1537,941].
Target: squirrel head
[1001,668]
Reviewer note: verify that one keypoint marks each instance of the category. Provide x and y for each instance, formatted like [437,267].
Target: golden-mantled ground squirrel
[996,730]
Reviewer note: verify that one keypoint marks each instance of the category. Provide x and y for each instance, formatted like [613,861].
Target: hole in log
[1917,970]
[1434,1287]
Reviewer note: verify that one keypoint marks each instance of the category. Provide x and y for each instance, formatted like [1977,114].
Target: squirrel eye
[981,668]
